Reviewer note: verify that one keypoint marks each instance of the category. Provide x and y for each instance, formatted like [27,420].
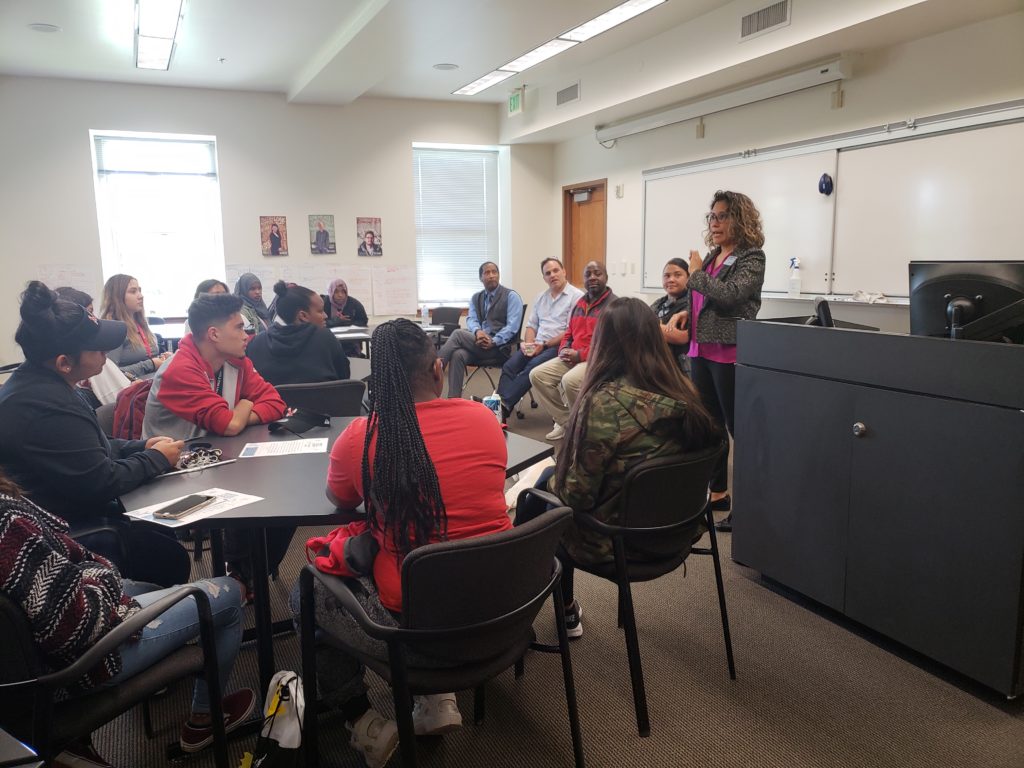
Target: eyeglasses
[719,217]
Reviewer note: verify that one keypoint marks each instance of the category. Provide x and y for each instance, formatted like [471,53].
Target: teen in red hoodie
[210,386]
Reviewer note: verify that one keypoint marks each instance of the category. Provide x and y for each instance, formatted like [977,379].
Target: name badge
[730,260]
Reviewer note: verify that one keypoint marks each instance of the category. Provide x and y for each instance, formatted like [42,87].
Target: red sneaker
[237,708]
[80,755]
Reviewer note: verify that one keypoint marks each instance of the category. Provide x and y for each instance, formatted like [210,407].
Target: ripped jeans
[180,624]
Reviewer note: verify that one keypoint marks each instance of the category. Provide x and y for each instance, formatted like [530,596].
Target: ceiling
[335,51]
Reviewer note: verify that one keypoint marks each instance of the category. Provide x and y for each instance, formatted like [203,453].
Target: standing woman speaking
[725,287]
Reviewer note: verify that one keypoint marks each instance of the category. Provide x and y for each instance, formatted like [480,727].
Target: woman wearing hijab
[255,312]
[342,309]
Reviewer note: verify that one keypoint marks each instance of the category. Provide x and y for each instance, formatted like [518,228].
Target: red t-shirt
[467,446]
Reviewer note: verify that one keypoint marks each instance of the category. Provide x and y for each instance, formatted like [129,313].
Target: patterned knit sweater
[72,597]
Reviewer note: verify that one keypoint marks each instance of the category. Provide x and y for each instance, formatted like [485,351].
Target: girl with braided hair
[428,470]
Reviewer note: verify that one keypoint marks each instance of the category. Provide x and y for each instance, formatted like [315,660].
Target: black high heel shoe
[723,504]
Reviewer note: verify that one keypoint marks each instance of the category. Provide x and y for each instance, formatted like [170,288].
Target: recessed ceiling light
[446,67]
[618,15]
[48,29]
[483,83]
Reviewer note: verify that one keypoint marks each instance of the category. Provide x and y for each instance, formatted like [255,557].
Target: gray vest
[497,314]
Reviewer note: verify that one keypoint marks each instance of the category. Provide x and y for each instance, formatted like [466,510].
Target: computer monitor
[979,300]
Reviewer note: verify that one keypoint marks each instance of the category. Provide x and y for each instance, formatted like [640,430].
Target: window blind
[457,220]
[189,157]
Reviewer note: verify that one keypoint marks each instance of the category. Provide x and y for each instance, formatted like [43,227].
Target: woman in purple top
[725,287]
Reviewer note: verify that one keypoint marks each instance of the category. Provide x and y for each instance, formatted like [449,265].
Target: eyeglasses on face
[719,217]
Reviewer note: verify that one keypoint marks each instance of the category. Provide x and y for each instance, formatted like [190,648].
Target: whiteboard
[797,219]
[948,197]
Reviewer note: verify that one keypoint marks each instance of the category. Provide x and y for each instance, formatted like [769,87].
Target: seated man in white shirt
[542,336]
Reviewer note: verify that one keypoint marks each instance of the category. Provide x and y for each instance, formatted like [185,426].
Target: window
[158,208]
[457,220]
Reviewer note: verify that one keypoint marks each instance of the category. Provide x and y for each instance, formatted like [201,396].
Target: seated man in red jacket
[557,382]
[210,386]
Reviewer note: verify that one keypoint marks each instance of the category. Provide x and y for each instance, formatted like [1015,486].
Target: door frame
[567,203]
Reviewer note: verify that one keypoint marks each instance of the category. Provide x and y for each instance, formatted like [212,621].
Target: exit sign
[515,102]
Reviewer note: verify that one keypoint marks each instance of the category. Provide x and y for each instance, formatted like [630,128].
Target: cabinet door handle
[860,429]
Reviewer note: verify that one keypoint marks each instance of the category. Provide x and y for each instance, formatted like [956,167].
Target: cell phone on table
[186,506]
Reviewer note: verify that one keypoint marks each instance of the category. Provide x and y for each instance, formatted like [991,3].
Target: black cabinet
[883,476]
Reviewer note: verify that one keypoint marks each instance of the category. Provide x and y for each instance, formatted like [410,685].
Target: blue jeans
[180,624]
[515,375]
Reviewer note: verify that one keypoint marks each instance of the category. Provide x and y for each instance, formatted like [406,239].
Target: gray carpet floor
[813,689]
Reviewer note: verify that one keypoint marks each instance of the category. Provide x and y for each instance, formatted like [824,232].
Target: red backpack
[130,409]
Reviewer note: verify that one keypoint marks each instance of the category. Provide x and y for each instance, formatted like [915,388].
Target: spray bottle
[794,277]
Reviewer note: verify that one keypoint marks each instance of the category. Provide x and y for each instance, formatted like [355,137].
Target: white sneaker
[556,434]
[374,737]
[436,714]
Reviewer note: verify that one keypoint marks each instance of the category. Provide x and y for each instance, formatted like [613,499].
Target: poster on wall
[321,234]
[274,235]
[368,232]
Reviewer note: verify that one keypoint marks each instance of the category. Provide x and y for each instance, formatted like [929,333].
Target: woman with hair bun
[140,354]
[53,447]
[726,286]
[428,470]
[303,350]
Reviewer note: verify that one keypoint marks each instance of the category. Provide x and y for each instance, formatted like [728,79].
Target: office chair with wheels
[481,634]
[665,500]
[486,368]
[32,708]
[332,398]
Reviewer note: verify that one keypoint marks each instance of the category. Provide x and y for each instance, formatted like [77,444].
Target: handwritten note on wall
[394,290]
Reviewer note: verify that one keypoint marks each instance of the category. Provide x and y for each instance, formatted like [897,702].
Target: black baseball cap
[88,334]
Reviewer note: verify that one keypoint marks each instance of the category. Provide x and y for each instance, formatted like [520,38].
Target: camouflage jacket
[625,426]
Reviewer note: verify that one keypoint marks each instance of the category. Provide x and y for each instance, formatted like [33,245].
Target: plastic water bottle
[794,277]
[424,315]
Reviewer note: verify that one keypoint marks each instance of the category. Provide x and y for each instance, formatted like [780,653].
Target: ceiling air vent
[764,20]
[564,96]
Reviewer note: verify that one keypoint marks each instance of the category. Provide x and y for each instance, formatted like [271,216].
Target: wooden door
[584,227]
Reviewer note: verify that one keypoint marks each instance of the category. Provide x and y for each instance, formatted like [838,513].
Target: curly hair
[744,220]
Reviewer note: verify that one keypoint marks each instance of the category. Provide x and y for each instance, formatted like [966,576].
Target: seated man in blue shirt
[494,317]
[543,333]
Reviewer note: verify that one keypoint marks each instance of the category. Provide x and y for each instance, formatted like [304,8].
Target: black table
[293,493]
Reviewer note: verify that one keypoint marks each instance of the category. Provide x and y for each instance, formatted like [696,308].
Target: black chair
[481,634]
[665,500]
[512,345]
[332,398]
[448,317]
[31,709]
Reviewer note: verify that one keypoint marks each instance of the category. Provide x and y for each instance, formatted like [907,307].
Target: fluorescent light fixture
[483,83]
[798,81]
[153,53]
[159,18]
[157,23]
[538,54]
[612,18]
[604,22]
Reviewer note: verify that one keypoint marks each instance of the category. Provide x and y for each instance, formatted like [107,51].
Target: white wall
[275,159]
[971,66]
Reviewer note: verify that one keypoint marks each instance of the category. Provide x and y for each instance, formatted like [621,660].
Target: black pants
[716,383]
[236,549]
[534,507]
[144,553]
